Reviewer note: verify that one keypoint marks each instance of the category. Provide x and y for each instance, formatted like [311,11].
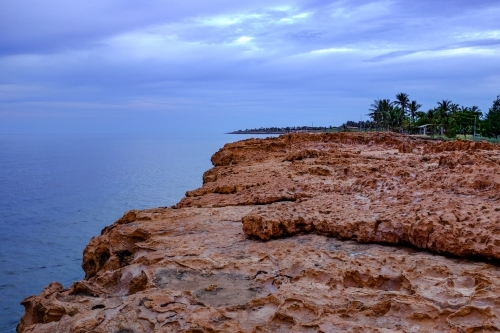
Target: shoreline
[285,229]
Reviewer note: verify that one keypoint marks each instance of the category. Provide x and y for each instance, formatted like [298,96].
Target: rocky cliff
[302,233]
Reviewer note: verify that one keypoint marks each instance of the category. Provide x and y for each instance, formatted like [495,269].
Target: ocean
[58,191]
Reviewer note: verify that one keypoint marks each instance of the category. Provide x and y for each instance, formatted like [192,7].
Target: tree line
[447,118]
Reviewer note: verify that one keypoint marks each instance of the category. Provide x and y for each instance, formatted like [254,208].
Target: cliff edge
[357,232]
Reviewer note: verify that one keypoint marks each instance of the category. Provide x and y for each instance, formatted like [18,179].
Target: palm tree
[395,116]
[413,109]
[375,113]
[379,110]
[475,109]
[491,122]
[443,111]
[421,117]
[402,101]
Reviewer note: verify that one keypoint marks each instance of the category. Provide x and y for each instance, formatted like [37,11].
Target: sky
[93,66]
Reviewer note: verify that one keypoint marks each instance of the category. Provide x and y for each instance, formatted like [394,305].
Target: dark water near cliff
[56,192]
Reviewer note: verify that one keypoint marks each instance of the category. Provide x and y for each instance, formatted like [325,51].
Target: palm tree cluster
[394,115]
[447,118]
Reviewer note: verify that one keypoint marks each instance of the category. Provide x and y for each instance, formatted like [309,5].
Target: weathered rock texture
[440,196]
[204,266]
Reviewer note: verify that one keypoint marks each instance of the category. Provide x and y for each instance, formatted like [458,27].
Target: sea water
[58,191]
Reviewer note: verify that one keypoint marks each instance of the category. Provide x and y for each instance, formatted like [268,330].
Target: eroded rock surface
[440,196]
[252,250]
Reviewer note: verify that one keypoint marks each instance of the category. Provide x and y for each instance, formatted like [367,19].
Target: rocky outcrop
[291,234]
[385,188]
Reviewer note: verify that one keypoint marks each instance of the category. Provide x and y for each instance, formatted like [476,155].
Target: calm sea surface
[56,192]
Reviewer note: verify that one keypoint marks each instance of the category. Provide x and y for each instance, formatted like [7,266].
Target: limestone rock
[281,239]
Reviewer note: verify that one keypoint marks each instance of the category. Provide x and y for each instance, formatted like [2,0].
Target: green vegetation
[447,118]
[491,123]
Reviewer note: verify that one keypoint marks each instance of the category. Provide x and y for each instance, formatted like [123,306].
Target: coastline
[269,241]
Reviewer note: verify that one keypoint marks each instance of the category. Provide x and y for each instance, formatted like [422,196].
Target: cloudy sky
[137,66]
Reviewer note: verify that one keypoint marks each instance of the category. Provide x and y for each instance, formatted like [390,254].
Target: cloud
[327,58]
